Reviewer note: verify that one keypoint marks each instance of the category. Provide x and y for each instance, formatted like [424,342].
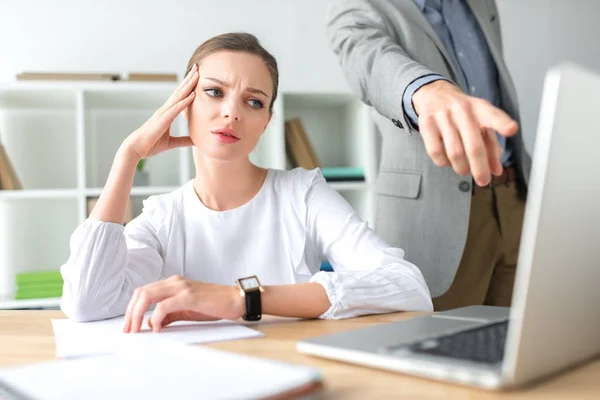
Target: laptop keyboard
[482,345]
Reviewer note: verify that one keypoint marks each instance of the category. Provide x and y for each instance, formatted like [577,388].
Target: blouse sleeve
[369,277]
[108,262]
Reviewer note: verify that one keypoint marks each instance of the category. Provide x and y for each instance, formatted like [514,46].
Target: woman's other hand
[154,136]
[181,299]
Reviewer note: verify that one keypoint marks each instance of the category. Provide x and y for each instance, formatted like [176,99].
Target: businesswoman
[237,240]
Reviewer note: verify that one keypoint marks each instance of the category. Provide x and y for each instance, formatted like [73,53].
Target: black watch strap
[253,306]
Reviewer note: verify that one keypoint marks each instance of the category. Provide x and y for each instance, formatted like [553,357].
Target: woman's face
[231,108]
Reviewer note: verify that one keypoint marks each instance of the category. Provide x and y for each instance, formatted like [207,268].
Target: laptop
[554,322]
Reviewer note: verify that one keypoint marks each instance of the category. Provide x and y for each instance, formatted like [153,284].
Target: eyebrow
[251,90]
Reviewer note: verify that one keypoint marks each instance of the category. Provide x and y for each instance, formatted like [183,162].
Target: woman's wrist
[300,300]
[238,301]
[127,155]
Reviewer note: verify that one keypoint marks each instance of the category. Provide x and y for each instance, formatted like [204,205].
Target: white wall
[541,33]
[120,36]
[136,35]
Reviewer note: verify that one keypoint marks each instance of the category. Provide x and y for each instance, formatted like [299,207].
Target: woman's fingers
[132,303]
[149,295]
[163,309]
[183,90]
[180,141]
[154,136]
[168,116]
[186,315]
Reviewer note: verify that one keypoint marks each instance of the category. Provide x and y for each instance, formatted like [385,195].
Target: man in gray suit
[453,173]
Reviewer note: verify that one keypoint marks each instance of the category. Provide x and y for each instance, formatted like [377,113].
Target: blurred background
[151,35]
[60,137]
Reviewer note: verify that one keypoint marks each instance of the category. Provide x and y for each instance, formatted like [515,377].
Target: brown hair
[243,42]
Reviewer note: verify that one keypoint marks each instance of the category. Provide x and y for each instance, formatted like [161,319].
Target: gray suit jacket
[383,46]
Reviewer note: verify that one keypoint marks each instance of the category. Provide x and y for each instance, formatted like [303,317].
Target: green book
[343,173]
[38,276]
[36,286]
[43,294]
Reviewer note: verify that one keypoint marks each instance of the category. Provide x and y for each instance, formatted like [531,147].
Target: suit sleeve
[376,67]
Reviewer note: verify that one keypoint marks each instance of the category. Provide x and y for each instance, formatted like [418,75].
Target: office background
[113,35]
[159,36]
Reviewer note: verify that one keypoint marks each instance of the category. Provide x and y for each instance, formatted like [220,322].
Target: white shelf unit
[62,136]
[46,304]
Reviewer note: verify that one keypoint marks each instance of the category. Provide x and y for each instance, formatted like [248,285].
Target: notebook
[163,371]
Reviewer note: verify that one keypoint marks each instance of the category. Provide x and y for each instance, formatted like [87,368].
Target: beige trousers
[486,272]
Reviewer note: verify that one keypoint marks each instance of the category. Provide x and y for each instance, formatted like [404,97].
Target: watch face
[249,283]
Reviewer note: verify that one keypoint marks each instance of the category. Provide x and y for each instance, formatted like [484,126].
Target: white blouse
[295,221]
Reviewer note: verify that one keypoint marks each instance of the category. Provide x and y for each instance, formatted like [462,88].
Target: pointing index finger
[496,119]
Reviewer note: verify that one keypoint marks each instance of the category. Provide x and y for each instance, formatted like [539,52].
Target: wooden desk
[26,336]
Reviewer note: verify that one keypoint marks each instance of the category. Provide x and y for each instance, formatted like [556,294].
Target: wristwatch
[251,289]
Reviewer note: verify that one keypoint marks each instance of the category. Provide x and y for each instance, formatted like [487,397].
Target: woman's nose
[231,111]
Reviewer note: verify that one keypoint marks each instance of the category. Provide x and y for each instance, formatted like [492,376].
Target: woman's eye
[256,104]
[213,92]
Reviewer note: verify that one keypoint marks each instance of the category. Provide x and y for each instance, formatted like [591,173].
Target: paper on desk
[168,371]
[76,339]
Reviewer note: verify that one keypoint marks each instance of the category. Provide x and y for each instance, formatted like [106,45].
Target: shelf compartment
[338,127]
[37,129]
[31,97]
[34,236]
[129,96]
[110,117]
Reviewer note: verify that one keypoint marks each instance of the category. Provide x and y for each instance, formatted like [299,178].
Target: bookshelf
[61,138]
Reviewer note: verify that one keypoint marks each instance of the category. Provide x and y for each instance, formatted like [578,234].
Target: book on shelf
[151,77]
[298,145]
[35,277]
[343,174]
[67,76]
[38,284]
[8,177]
[326,266]
[43,293]
[300,153]
[91,203]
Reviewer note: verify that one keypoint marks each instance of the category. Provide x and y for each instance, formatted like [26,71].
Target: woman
[187,249]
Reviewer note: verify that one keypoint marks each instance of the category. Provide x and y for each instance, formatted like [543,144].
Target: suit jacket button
[464,186]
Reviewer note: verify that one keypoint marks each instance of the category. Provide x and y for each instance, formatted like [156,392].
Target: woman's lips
[226,135]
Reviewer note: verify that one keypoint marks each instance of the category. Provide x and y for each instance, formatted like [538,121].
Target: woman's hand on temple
[180,299]
[154,136]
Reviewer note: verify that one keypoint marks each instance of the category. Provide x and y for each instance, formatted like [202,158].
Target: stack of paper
[147,365]
[167,371]
[76,339]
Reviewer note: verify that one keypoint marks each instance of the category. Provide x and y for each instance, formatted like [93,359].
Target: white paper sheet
[164,371]
[76,339]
